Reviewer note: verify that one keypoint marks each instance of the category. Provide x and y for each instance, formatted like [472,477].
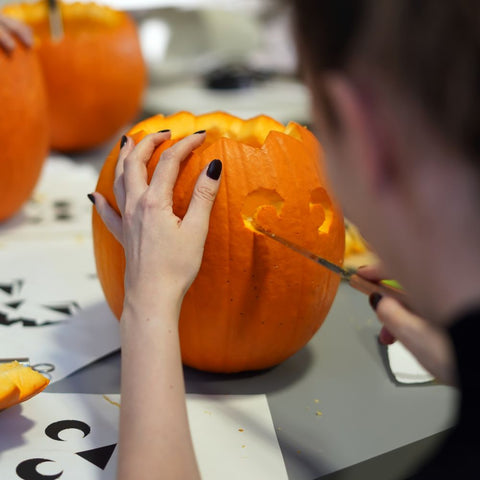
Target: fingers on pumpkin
[198,214]
[6,40]
[166,171]
[135,163]
[109,216]
[22,31]
[126,146]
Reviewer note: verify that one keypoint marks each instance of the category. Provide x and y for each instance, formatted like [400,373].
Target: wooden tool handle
[368,287]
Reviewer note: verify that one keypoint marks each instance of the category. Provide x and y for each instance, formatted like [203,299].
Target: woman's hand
[11,29]
[163,252]
[429,343]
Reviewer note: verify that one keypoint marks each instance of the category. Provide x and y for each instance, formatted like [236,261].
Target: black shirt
[459,456]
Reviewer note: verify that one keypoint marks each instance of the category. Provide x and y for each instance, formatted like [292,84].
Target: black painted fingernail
[200,131]
[374,300]
[164,131]
[123,141]
[214,169]
[91,198]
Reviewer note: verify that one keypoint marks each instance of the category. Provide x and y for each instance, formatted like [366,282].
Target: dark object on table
[234,77]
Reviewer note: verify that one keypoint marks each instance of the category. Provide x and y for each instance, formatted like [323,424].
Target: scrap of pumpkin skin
[258,200]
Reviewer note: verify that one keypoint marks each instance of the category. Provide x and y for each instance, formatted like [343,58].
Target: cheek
[338,177]
[333,155]
[336,162]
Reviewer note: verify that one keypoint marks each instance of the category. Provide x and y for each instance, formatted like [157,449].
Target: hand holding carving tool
[359,283]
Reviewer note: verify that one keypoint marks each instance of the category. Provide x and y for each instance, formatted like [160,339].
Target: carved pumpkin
[23,127]
[95,74]
[254,302]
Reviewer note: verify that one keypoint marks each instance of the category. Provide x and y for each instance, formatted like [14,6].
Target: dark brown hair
[429,48]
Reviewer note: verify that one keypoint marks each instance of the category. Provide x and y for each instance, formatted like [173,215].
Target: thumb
[375,272]
[204,194]
[110,217]
[428,343]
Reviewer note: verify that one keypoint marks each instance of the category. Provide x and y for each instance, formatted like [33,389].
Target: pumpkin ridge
[230,332]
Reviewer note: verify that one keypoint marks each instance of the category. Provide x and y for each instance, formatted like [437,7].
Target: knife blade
[354,280]
[55,20]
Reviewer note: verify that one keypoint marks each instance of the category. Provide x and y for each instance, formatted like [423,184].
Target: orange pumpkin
[254,302]
[95,75]
[23,127]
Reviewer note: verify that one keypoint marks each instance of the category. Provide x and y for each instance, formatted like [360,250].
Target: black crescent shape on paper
[27,470]
[55,428]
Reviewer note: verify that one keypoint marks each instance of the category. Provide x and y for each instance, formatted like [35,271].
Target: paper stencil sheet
[52,308]
[74,436]
[58,208]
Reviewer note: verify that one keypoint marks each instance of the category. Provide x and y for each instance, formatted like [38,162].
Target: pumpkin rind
[95,75]
[254,302]
[24,128]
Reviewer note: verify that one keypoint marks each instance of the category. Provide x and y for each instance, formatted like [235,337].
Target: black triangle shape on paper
[14,304]
[67,308]
[98,456]
[7,288]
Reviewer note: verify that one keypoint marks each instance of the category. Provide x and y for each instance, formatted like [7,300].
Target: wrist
[144,305]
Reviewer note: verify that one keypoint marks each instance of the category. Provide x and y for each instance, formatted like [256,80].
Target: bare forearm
[155,440]
[162,257]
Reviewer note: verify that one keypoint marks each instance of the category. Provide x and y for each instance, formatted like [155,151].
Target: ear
[362,131]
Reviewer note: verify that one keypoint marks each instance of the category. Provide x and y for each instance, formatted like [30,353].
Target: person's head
[396,97]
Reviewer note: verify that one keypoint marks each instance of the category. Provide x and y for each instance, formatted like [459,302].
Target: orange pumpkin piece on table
[95,74]
[19,383]
[254,303]
[24,128]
